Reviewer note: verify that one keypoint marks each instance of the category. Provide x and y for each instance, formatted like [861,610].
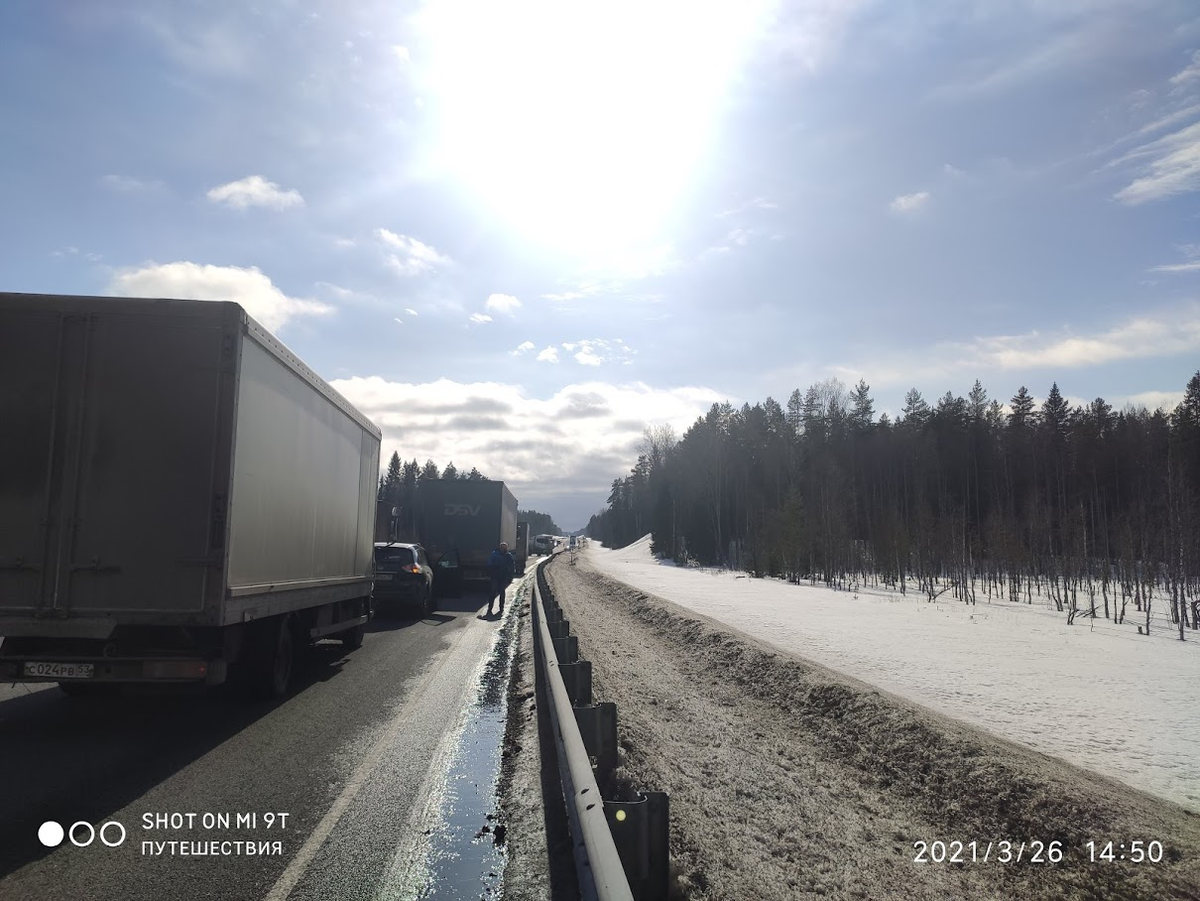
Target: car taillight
[413,568]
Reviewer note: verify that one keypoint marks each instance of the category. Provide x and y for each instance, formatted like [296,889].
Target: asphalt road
[352,758]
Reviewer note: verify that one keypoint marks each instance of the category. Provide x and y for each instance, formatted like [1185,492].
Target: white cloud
[410,311]
[344,243]
[195,281]
[1193,266]
[502,303]
[1139,338]
[1011,70]
[254,190]
[1174,167]
[758,203]
[1162,334]
[594,351]
[402,54]
[357,297]
[74,252]
[585,289]
[1151,400]
[408,256]
[130,184]
[397,319]
[480,318]
[200,40]
[573,442]
[522,348]
[1190,73]
[1192,263]
[549,355]
[909,203]
[336,290]
[738,237]
[1166,120]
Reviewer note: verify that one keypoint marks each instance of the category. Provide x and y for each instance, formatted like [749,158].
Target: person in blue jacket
[502,567]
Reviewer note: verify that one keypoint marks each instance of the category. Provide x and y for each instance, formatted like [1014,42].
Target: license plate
[47,670]
[383,577]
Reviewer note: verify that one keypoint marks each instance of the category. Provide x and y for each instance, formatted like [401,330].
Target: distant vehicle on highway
[403,579]
[520,550]
[544,544]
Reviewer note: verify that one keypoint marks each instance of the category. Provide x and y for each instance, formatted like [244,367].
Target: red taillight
[413,569]
[174,669]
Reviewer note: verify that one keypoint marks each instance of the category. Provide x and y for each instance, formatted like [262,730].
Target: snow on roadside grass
[1097,695]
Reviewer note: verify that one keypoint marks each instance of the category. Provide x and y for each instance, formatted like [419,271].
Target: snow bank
[1094,694]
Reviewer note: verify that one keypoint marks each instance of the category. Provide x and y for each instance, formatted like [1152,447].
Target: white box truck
[181,498]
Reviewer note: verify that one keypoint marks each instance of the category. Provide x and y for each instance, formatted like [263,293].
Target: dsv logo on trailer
[462,510]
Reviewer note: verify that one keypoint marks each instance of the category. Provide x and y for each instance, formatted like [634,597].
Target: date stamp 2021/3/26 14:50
[1035,851]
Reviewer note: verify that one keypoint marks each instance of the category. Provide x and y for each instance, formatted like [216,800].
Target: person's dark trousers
[497,590]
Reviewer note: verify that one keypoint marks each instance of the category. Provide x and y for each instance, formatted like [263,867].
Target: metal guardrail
[597,863]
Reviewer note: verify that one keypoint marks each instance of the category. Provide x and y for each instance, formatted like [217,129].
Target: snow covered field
[1097,695]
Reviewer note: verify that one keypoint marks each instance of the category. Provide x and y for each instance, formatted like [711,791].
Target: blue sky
[516,240]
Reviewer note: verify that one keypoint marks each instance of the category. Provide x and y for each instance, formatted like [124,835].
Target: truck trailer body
[179,494]
[465,520]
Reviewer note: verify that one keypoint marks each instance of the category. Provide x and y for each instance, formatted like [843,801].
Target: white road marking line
[295,870]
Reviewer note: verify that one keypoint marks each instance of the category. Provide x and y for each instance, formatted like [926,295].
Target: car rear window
[393,557]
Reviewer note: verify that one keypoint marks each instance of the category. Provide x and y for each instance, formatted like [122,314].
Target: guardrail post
[560,628]
[598,727]
[566,649]
[641,831]
[578,678]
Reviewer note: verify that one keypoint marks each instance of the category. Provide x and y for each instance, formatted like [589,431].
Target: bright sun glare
[582,125]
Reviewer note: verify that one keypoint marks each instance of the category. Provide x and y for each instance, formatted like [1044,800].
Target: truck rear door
[107,458]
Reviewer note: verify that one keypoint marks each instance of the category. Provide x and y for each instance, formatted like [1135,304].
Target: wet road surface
[382,760]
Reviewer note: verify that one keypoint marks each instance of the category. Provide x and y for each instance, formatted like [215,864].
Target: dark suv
[403,578]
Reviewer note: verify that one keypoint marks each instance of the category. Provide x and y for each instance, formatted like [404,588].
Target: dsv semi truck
[460,523]
[181,498]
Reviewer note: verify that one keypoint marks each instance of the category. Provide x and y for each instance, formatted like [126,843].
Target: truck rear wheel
[274,650]
[352,639]
[284,657]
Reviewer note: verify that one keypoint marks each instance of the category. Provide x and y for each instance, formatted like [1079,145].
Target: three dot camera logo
[81,834]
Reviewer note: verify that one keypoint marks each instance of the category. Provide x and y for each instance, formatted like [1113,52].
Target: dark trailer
[461,521]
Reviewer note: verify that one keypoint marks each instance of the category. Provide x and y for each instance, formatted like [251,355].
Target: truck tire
[276,653]
[352,639]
